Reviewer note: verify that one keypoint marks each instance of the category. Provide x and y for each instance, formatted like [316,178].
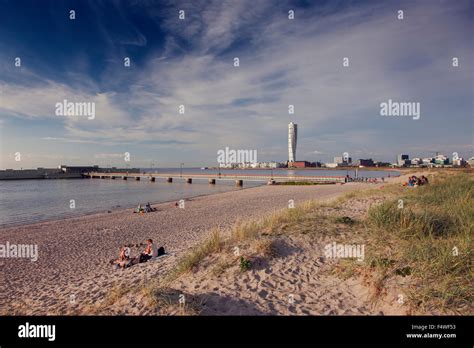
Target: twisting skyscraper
[292,137]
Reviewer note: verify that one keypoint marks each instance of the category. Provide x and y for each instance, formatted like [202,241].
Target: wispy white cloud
[282,62]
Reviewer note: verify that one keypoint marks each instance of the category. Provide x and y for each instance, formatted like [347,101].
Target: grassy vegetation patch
[429,237]
[191,260]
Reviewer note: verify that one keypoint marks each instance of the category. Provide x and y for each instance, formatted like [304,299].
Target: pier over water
[212,178]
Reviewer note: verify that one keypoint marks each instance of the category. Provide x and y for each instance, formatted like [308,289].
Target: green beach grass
[426,232]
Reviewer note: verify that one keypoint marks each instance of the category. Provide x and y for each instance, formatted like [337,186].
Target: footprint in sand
[263,294]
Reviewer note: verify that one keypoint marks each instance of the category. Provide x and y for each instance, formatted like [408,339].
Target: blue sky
[190,62]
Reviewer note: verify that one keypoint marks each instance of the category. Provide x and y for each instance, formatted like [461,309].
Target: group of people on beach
[125,259]
[147,209]
[416,181]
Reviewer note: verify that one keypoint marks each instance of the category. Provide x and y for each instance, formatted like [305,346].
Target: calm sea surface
[27,201]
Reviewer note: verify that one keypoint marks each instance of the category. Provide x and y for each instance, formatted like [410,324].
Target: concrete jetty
[213,178]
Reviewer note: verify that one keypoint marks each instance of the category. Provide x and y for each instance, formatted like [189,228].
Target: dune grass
[253,232]
[213,244]
[426,232]
[171,301]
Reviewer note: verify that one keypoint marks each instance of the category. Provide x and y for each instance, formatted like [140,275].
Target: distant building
[269,165]
[403,160]
[275,165]
[365,162]
[227,165]
[470,161]
[60,172]
[96,168]
[459,162]
[416,161]
[252,165]
[292,139]
[78,169]
[303,164]
[330,165]
[341,161]
[441,160]
[382,164]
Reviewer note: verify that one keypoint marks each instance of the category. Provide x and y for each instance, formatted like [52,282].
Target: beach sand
[73,272]
[297,279]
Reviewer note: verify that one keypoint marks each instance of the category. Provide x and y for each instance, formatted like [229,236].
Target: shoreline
[112,210]
[74,253]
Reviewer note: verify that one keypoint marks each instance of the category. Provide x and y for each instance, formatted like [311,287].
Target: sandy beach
[72,269]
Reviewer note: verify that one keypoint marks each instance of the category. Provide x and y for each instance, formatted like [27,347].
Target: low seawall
[37,174]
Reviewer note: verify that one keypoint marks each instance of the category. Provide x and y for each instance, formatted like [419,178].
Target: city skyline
[182,97]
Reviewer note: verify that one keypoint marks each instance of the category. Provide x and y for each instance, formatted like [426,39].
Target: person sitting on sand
[150,251]
[148,208]
[424,180]
[139,209]
[124,259]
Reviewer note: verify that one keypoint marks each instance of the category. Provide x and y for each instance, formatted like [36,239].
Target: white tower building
[292,138]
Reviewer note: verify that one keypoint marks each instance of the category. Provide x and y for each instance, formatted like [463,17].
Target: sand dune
[297,280]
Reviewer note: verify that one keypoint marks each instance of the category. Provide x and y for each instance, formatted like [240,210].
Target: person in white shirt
[150,251]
